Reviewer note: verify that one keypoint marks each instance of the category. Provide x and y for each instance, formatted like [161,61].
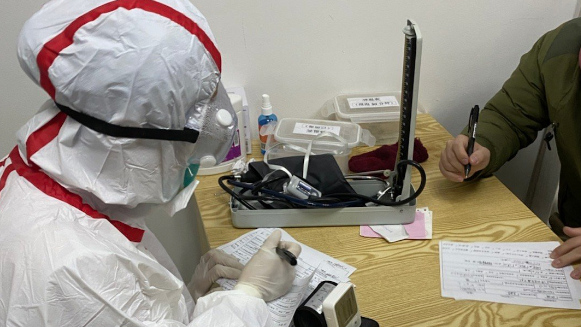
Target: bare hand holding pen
[454,158]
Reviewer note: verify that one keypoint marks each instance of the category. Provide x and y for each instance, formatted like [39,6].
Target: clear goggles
[210,124]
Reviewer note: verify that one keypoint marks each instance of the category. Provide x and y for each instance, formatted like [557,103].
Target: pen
[472,123]
[287,255]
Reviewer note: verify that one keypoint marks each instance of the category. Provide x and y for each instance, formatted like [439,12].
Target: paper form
[283,308]
[312,268]
[516,273]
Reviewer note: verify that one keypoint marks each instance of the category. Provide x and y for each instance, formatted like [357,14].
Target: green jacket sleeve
[512,118]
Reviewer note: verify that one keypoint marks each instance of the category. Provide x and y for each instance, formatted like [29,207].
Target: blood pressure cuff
[323,173]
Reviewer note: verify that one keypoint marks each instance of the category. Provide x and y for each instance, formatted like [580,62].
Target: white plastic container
[376,112]
[292,137]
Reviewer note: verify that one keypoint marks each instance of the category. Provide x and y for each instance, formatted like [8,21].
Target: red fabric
[5,174]
[53,47]
[53,189]
[4,177]
[384,157]
[42,136]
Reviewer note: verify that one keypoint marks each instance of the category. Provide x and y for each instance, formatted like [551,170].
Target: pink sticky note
[415,230]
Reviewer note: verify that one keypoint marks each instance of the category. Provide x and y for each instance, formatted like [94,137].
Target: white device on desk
[394,204]
[331,305]
[340,307]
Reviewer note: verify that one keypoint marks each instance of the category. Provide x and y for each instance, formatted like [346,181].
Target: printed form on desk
[515,273]
[312,268]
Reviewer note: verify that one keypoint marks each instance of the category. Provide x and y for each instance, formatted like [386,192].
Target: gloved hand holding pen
[267,275]
[213,265]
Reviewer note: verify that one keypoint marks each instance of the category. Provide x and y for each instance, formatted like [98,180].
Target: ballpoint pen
[472,123]
[287,255]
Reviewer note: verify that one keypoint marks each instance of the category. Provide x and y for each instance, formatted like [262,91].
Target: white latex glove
[267,275]
[213,265]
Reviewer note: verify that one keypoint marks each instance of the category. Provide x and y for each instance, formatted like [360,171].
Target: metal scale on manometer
[400,193]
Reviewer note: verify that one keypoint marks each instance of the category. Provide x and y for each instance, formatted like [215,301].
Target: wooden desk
[398,284]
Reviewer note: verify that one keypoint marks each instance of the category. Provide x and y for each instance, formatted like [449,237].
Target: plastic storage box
[293,135]
[377,112]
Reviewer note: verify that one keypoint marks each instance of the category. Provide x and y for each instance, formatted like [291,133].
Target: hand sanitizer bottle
[266,117]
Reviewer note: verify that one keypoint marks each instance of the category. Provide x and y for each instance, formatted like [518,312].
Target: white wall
[20,98]
[305,52]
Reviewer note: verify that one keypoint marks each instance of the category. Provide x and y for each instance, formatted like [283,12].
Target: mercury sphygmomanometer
[304,193]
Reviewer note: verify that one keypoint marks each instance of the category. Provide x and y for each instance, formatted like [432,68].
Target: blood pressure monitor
[331,305]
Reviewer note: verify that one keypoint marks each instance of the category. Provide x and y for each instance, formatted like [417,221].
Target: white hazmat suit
[74,248]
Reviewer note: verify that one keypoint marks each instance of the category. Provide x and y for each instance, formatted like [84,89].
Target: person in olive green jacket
[544,91]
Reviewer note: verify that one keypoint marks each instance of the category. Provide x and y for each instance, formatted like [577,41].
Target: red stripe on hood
[42,136]
[52,48]
[53,189]
[5,174]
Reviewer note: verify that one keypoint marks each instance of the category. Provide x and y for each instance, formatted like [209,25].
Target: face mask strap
[103,127]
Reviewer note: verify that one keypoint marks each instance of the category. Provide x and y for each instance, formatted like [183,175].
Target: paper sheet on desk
[420,229]
[312,268]
[516,273]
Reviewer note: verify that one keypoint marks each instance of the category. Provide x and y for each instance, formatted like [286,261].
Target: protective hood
[133,64]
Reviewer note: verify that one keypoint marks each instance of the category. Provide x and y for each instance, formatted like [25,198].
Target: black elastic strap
[186,135]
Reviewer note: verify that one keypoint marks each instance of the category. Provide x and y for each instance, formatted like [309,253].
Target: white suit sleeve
[232,309]
[132,290]
[226,308]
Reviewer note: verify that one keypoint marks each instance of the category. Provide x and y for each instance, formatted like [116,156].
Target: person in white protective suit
[135,98]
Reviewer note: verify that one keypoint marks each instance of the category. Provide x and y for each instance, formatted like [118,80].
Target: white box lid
[302,131]
[364,107]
